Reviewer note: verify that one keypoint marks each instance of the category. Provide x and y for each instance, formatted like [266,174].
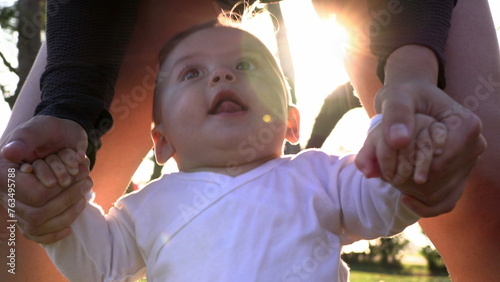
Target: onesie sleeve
[86,41]
[360,208]
[100,247]
[370,208]
[409,22]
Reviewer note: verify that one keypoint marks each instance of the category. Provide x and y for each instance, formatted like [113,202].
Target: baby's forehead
[219,40]
[223,35]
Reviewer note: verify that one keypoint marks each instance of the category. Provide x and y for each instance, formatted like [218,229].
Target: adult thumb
[41,136]
[398,122]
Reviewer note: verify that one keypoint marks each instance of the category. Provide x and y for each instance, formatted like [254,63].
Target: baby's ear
[163,148]
[293,125]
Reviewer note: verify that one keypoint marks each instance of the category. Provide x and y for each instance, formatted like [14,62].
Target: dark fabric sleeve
[410,22]
[86,41]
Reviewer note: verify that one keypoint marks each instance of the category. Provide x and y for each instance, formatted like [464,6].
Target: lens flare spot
[164,237]
[267,118]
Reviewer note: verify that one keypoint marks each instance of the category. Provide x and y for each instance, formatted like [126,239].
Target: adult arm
[475,215]
[75,56]
[411,64]
[32,191]
[395,24]
[86,41]
[36,137]
[411,80]
[409,39]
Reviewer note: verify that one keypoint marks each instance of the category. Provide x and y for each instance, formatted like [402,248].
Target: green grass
[360,276]
[413,273]
[417,273]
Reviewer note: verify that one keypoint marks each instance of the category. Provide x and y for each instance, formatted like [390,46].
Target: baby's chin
[231,165]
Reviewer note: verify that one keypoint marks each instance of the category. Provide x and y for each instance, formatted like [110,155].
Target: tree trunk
[30,23]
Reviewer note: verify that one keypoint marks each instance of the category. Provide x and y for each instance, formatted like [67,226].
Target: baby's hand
[408,169]
[416,159]
[378,159]
[50,221]
[56,168]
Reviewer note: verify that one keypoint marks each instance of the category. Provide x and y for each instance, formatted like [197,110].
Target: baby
[238,210]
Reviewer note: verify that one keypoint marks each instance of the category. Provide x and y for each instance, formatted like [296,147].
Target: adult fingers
[57,214]
[440,204]
[41,136]
[398,109]
[439,195]
[464,143]
[36,216]
[48,238]
[55,228]
[30,191]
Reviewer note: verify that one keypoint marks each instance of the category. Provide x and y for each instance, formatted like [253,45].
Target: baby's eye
[190,73]
[246,65]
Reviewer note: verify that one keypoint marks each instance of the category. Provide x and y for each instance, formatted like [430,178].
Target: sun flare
[317,52]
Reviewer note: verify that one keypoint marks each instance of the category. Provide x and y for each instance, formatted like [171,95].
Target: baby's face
[223,101]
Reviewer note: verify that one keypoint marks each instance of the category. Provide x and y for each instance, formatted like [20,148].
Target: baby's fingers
[366,160]
[26,168]
[44,173]
[423,156]
[430,143]
[387,160]
[439,134]
[70,159]
[61,172]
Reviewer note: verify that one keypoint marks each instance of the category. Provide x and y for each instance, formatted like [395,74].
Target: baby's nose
[222,74]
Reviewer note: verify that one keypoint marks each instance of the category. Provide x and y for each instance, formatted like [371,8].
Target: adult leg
[467,238]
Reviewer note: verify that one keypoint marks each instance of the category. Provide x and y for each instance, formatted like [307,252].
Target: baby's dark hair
[174,41]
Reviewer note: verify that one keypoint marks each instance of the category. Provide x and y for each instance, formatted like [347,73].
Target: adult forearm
[86,41]
[399,23]
[29,96]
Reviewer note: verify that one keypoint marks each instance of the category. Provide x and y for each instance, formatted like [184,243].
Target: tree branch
[6,62]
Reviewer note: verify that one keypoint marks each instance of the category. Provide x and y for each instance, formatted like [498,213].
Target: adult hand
[449,171]
[37,138]
[438,194]
[54,209]
[410,88]
[41,136]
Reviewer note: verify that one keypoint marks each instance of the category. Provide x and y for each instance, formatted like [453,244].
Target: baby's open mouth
[226,102]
